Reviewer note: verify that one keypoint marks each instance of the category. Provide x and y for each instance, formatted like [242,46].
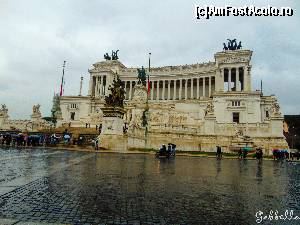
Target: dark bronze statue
[117,95]
[142,76]
[107,57]
[232,45]
[239,45]
[114,55]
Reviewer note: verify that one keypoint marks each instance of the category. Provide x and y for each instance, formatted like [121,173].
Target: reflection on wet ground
[87,188]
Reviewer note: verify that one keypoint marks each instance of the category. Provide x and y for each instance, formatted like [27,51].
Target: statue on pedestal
[3,111]
[117,95]
[36,114]
[142,76]
[112,137]
[209,111]
[275,109]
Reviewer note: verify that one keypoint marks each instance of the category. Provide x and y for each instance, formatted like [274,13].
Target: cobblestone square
[39,186]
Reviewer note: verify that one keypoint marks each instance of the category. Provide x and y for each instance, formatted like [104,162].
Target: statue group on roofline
[232,45]
[114,55]
[36,109]
[3,110]
[117,95]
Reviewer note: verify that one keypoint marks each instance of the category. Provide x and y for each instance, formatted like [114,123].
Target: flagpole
[261,87]
[149,69]
[147,106]
[149,60]
[62,80]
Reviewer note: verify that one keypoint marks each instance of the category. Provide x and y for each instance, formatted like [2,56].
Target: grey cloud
[36,36]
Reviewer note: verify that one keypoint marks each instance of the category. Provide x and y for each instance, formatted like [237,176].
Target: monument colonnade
[176,89]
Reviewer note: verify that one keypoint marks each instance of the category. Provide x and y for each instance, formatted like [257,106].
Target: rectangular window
[72,115]
[73,106]
[267,114]
[236,103]
[235,117]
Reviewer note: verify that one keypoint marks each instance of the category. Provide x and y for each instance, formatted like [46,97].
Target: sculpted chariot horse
[232,45]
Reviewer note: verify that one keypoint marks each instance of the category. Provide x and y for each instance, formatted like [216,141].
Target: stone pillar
[130,90]
[209,86]
[125,85]
[96,86]
[229,79]
[157,91]
[185,91]
[192,88]
[174,91]
[247,78]
[219,80]
[152,89]
[203,80]
[180,88]
[99,87]
[163,90]
[169,89]
[197,87]
[90,85]
[237,85]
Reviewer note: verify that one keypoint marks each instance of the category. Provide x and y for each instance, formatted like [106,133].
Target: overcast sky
[36,36]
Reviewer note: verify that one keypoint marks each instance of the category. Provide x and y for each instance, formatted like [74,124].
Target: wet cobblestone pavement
[40,186]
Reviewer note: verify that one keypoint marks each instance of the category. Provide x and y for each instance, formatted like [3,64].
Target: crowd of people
[18,140]
[257,152]
[242,153]
[164,151]
[31,140]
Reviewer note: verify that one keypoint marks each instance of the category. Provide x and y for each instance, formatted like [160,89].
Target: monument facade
[196,106]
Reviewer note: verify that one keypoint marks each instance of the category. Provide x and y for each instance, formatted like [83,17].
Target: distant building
[34,124]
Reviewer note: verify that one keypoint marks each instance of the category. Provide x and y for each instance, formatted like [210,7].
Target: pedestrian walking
[219,152]
[240,154]
[96,144]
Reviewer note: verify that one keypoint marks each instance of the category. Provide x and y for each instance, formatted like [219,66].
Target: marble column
[219,80]
[130,89]
[203,90]
[169,89]
[229,79]
[237,85]
[186,87]
[90,85]
[125,85]
[157,91]
[180,88]
[101,86]
[198,87]
[174,89]
[152,89]
[163,90]
[96,87]
[192,88]
[209,86]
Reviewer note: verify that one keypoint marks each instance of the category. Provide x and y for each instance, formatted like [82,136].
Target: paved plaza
[39,186]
